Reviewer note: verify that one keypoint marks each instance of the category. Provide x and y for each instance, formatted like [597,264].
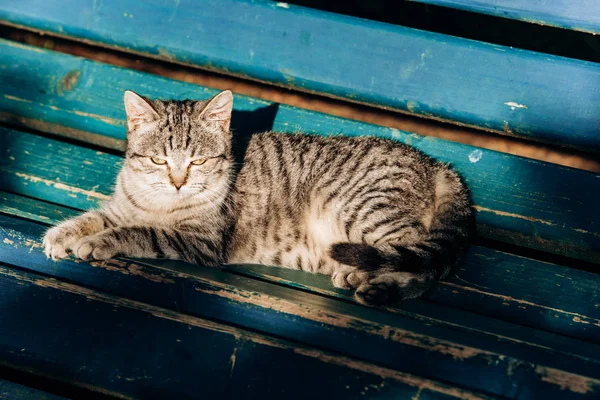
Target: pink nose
[178,181]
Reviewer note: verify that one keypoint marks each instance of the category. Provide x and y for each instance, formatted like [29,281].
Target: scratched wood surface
[578,15]
[429,348]
[540,295]
[511,91]
[13,391]
[97,340]
[520,201]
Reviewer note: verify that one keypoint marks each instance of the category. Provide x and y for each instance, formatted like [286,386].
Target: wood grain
[95,339]
[430,348]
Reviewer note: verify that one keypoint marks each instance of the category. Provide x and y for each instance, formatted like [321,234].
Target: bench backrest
[511,91]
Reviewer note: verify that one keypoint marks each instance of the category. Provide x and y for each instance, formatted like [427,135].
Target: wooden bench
[504,325]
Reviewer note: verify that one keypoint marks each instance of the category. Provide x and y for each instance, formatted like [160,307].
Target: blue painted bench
[504,325]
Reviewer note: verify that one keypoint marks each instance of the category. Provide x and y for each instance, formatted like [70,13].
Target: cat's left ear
[139,111]
[219,109]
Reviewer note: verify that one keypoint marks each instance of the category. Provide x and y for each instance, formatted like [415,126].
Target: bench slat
[14,391]
[514,92]
[542,304]
[138,350]
[519,200]
[577,15]
[314,320]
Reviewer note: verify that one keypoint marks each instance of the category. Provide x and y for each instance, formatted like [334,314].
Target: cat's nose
[178,181]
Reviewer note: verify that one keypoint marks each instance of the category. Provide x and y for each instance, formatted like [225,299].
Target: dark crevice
[469,25]
[537,254]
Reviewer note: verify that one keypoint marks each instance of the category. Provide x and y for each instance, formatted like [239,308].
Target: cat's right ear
[139,111]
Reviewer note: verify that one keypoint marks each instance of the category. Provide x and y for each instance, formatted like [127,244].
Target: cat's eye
[158,161]
[199,161]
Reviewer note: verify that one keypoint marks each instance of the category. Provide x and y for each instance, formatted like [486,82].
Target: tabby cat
[378,216]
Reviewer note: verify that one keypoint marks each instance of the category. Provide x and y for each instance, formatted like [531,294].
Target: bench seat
[519,319]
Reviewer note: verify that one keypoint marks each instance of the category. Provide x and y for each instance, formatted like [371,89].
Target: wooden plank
[518,200]
[14,391]
[511,91]
[518,290]
[577,15]
[97,340]
[318,321]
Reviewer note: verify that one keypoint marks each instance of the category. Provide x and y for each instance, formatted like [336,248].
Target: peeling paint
[475,156]
[507,214]
[232,361]
[128,268]
[568,381]
[514,105]
[69,82]
[386,373]
[454,350]
[166,54]
[411,106]
[192,321]
[576,316]
[110,121]
[62,186]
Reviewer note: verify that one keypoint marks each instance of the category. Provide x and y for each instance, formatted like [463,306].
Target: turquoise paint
[419,72]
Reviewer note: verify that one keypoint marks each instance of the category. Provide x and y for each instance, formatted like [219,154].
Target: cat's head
[179,149]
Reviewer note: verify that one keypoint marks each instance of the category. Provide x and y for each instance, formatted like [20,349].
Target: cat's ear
[219,109]
[139,111]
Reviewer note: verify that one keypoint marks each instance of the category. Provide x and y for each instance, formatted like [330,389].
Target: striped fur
[378,216]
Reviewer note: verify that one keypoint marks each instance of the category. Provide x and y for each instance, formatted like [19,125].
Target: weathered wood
[94,339]
[14,391]
[429,346]
[578,15]
[519,200]
[468,359]
[514,92]
[516,289]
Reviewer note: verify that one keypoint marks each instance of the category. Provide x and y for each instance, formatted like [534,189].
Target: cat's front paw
[100,246]
[58,241]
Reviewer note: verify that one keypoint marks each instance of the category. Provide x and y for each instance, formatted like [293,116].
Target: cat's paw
[100,246]
[58,241]
[349,278]
[373,293]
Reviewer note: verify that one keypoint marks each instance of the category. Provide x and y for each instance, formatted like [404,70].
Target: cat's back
[307,159]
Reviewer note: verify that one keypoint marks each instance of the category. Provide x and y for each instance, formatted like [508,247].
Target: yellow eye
[158,161]
[198,162]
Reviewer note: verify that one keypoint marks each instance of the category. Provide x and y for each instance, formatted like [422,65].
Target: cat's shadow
[246,123]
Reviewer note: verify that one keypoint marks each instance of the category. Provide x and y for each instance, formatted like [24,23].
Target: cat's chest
[158,217]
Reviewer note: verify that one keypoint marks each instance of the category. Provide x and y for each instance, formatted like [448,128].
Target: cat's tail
[397,272]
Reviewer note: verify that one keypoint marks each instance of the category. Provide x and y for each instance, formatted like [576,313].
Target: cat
[378,216]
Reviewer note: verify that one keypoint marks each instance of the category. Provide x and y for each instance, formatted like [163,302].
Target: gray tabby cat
[378,216]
